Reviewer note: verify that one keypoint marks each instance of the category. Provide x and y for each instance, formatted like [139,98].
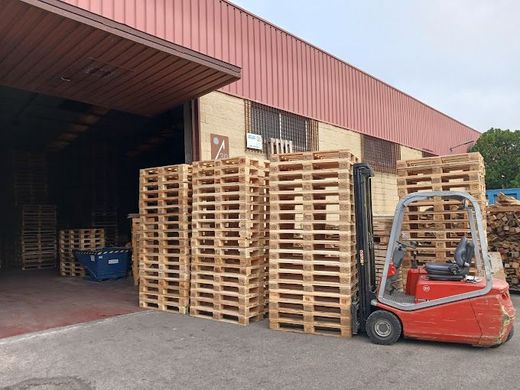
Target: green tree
[501,152]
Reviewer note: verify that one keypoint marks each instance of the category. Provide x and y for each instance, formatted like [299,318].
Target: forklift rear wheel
[383,327]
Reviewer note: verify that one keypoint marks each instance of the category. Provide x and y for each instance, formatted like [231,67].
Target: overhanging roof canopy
[53,48]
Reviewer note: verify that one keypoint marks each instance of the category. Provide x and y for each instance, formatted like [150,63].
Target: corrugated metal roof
[57,49]
[285,72]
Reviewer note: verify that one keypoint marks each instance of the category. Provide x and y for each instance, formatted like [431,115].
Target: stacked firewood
[504,236]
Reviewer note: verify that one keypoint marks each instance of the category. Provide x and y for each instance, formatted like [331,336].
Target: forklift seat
[456,270]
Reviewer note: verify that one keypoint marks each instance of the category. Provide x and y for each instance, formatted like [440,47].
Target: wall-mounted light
[462,144]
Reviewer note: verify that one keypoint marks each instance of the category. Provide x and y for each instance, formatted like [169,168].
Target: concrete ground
[153,350]
[41,299]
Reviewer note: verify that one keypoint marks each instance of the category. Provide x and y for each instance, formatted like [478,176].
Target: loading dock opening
[88,161]
[96,101]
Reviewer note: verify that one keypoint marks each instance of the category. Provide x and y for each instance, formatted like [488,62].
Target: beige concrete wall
[384,193]
[224,115]
[409,153]
[384,186]
[333,138]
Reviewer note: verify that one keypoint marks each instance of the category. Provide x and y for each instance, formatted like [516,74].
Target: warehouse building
[92,91]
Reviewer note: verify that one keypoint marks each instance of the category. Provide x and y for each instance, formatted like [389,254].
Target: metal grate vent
[382,155]
[272,123]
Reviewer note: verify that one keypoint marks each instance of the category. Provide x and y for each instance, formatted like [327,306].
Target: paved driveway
[152,350]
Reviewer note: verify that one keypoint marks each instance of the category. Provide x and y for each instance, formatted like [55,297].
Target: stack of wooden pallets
[107,220]
[27,217]
[29,177]
[164,246]
[136,245]
[230,240]
[504,236]
[312,267]
[77,239]
[438,225]
[382,229]
[38,237]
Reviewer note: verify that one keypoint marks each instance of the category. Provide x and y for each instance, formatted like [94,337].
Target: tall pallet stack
[382,229]
[230,240]
[312,267]
[106,219]
[77,239]
[164,247]
[29,223]
[29,177]
[504,236]
[100,164]
[438,225]
[38,237]
[136,245]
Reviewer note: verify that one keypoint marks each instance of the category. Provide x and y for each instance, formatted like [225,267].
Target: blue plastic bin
[105,263]
[492,194]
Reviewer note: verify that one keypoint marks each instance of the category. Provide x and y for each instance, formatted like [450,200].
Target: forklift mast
[362,307]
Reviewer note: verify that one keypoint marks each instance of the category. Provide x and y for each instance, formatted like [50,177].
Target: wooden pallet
[37,237]
[71,240]
[136,245]
[438,225]
[229,242]
[164,229]
[29,178]
[106,219]
[312,276]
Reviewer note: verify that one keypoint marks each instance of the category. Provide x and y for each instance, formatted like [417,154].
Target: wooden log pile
[312,267]
[504,236]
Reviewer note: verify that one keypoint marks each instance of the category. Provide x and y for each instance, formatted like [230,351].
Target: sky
[461,57]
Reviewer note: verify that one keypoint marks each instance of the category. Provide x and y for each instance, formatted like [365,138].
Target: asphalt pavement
[154,350]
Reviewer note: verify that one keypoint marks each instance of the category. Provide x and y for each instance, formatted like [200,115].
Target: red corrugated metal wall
[282,71]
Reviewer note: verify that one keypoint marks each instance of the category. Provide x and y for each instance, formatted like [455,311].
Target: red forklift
[440,301]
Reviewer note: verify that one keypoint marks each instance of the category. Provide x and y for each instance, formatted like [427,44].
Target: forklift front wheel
[383,327]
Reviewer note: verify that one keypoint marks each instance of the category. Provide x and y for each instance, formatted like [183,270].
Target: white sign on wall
[254,141]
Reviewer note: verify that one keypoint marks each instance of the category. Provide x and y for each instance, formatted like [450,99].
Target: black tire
[383,327]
